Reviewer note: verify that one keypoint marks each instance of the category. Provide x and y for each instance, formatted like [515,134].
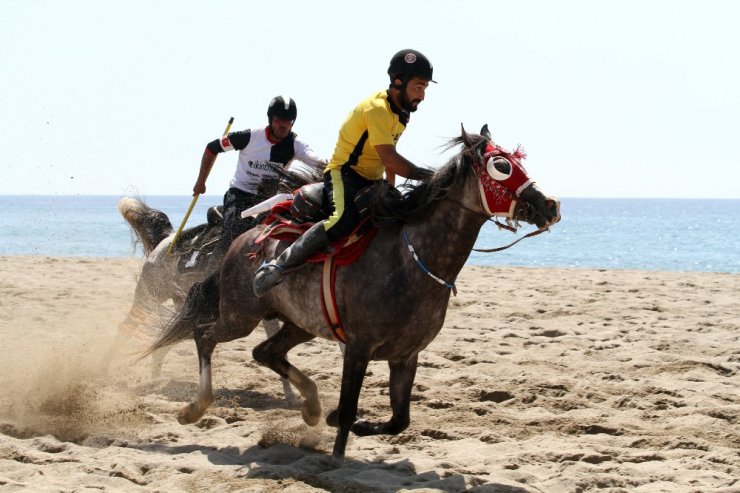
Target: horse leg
[158,361]
[122,337]
[271,353]
[205,342]
[353,374]
[272,327]
[139,314]
[401,381]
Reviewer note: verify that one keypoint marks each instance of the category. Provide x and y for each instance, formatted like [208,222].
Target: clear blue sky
[610,99]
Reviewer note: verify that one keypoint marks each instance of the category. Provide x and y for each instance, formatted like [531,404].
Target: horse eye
[499,168]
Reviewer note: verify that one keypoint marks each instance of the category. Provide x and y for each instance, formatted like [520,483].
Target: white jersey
[255,149]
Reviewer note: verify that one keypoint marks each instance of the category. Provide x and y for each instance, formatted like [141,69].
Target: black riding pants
[235,202]
[340,189]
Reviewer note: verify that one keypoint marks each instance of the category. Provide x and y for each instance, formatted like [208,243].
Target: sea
[682,235]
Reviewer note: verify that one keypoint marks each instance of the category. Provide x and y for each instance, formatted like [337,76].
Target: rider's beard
[410,105]
[278,132]
[413,105]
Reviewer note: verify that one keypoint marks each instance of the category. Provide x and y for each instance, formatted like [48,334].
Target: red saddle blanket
[280,225]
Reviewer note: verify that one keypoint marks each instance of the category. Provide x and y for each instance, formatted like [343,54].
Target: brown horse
[392,300]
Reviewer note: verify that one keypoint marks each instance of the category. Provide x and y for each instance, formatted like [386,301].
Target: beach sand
[542,380]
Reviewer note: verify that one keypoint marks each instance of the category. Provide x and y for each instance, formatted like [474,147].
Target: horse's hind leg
[401,381]
[205,342]
[138,315]
[158,361]
[272,327]
[271,353]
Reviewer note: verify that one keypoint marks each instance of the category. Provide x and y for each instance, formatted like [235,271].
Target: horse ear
[467,141]
[485,132]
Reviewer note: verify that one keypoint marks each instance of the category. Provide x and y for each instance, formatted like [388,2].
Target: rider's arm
[399,165]
[206,163]
[234,140]
[305,154]
[390,177]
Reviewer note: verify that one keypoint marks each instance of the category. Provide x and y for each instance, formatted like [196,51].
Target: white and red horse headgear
[501,179]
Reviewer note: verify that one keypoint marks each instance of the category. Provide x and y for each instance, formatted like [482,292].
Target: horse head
[504,186]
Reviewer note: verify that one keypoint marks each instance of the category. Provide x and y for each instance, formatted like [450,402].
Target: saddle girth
[329,300]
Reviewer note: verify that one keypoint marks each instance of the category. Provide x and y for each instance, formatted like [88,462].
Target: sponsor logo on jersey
[263,165]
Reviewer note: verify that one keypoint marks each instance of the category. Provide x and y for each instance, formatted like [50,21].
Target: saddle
[200,243]
[289,219]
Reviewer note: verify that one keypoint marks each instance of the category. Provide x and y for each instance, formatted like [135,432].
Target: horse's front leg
[205,342]
[401,381]
[353,373]
[272,353]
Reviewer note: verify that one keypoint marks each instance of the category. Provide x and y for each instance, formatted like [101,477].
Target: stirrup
[269,275]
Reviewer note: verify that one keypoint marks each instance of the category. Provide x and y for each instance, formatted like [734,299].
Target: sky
[609,98]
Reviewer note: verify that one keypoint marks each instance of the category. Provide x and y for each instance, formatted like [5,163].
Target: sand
[542,380]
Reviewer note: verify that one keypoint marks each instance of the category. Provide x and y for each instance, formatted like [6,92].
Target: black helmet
[282,107]
[410,62]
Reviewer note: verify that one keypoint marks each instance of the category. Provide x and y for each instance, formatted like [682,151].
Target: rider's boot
[271,274]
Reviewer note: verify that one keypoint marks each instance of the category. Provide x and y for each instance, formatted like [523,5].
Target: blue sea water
[650,234]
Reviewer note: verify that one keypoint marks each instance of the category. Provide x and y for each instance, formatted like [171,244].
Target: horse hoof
[367,428]
[332,419]
[188,415]
[311,416]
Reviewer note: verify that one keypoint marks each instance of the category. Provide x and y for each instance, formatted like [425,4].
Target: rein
[497,223]
[528,235]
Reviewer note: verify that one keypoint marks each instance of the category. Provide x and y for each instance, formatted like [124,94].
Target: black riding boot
[271,274]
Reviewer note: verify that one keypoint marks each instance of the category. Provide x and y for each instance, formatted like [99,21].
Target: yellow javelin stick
[195,199]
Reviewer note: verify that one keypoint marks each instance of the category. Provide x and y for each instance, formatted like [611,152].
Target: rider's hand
[199,188]
[421,174]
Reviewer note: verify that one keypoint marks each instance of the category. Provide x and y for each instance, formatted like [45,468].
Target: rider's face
[280,128]
[415,92]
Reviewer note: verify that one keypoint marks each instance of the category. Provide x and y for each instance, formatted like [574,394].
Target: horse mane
[287,180]
[416,202]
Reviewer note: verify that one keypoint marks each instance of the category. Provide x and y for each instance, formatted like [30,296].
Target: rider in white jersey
[276,143]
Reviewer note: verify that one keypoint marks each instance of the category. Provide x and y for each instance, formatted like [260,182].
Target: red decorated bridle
[501,179]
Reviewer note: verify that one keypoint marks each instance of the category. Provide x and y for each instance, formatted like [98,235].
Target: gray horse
[168,277]
[390,310]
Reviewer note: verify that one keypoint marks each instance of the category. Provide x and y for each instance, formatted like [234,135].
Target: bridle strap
[497,223]
[424,267]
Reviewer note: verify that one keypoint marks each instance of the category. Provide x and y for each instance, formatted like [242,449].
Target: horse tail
[150,225]
[200,308]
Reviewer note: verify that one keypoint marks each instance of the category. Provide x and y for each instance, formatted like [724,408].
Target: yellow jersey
[375,121]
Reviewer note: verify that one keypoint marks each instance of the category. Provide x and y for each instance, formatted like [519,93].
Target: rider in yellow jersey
[365,149]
